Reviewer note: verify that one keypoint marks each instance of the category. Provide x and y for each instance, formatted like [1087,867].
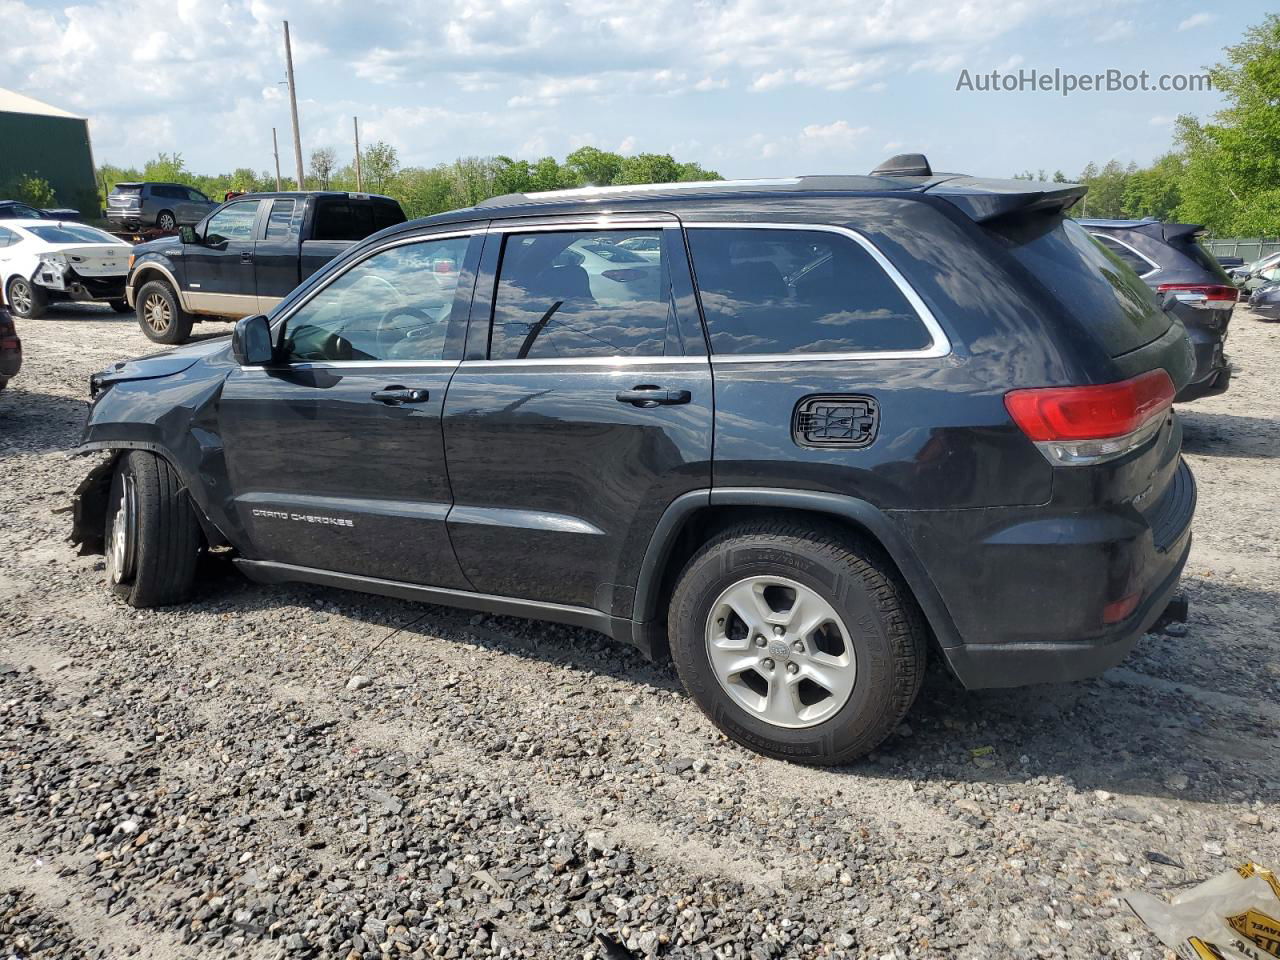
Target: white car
[614,273]
[648,247]
[42,261]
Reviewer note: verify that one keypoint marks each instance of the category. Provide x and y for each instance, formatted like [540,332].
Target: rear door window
[781,291]
[568,295]
[280,219]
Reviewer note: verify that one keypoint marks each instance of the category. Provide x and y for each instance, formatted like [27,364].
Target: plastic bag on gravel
[1234,916]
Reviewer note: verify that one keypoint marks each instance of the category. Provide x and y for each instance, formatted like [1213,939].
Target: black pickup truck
[245,256]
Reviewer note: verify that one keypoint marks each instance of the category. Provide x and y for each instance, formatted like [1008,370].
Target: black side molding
[617,628]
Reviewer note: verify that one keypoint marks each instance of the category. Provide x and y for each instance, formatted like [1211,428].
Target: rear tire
[868,648]
[26,300]
[152,535]
[167,221]
[161,315]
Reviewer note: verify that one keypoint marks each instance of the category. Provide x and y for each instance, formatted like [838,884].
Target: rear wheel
[160,315]
[152,535]
[167,221]
[26,299]
[797,643]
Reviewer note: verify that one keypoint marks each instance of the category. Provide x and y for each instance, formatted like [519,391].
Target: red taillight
[10,343]
[1090,413]
[624,275]
[1205,296]
[1120,609]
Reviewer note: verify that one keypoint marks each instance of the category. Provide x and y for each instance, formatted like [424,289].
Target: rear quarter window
[783,291]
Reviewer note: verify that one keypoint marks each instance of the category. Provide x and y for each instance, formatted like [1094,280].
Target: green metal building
[43,141]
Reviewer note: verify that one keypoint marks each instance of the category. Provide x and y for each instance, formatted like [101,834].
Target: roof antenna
[904,165]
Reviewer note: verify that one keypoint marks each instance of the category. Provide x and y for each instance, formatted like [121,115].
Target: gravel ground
[205,781]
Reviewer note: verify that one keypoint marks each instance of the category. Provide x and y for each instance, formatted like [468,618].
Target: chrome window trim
[587,223]
[1155,267]
[612,361]
[362,365]
[940,345]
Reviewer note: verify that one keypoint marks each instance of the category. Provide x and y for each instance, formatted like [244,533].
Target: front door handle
[246,258]
[648,396]
[394,396]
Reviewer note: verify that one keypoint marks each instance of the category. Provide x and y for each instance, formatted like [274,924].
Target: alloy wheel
[20,297]
[781,651]
[120,550]
[156,313]
[166,222]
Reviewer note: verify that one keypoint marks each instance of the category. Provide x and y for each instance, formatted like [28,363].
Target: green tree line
[1223,172]
[423,191]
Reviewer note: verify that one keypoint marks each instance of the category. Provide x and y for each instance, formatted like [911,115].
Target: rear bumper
[1028,589]
[983,666]
[1217,382]
[1213,370]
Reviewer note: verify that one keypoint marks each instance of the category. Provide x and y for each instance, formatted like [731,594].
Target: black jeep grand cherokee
[833,422]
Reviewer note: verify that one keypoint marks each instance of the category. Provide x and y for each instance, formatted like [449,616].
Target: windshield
[70,233]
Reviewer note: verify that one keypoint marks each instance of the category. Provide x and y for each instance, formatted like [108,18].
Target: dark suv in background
[834,422]
[1188,280]
[165,206]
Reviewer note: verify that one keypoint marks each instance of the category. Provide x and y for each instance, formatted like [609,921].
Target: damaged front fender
[166,405]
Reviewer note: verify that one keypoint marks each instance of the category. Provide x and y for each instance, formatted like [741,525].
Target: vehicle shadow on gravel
[36,422]
[586,651]
[1229,435]
[1109,734]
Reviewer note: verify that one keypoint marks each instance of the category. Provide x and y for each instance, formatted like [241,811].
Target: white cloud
[1161,121]
[1116,30]
[627,146]
[1196,20]
[201,77]
[837,132]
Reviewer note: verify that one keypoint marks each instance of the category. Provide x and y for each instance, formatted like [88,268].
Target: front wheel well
[89,504]
[709,521]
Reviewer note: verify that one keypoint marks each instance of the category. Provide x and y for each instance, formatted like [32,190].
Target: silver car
[163,205]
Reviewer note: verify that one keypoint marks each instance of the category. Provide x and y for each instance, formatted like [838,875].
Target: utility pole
[355,125]
[275,148]
[293,106]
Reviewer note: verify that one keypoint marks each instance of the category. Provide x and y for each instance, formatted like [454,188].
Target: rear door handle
[394,396]
[246,258]
[647,396]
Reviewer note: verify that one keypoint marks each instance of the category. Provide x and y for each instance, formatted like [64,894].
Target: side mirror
[188,234]
[251,342]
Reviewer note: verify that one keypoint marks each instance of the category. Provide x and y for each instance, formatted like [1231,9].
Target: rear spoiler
[983,199]
[1183,231]
[1169,232]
